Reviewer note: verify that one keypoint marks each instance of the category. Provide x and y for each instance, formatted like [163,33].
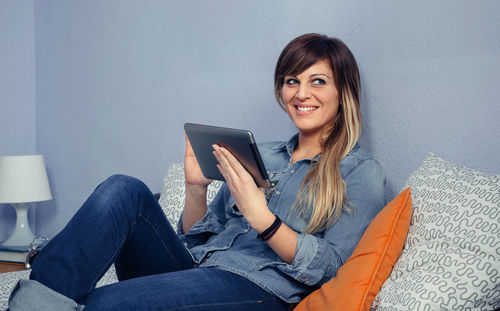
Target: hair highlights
[323,188]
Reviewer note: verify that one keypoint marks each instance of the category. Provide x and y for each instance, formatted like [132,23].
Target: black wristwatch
[35,247]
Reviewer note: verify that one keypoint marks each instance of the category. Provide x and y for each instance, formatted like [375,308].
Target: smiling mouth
[306,109]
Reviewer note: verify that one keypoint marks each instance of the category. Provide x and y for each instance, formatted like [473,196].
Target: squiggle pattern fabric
[173,193]
[451,258]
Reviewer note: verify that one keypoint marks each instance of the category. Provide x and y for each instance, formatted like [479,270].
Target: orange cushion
[360,278]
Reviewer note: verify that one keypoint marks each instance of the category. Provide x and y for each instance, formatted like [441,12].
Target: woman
[250,249]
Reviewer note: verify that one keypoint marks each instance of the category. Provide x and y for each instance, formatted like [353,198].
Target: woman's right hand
[196,189]
[192,171]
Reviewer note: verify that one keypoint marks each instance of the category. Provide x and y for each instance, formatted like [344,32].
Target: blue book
[14,254]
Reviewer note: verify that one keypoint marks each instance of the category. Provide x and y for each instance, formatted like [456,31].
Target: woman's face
[311,98]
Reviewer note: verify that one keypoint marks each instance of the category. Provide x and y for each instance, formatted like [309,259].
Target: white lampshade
[23,179]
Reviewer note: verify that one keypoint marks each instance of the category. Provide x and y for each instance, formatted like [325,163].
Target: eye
[291,81]
[318,82]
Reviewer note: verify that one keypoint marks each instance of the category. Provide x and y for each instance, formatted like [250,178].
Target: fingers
[241,184]
[224,166]
[229,166]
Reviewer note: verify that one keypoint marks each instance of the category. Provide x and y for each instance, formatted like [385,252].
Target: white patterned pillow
[173,193]
[451,258]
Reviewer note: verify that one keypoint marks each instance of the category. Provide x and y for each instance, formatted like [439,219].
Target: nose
[302,92]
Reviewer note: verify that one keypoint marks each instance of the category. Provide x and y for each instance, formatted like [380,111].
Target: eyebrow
[310,76]
[320,74]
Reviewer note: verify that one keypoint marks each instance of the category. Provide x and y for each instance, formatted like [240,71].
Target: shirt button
[292,171]
[307,281]
[277,192]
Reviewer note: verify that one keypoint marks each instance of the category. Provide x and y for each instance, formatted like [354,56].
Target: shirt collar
[294,141]
[292,144]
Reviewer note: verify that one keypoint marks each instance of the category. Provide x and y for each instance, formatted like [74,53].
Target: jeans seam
[172,257]
[96,279]
[238,303]
[102,272]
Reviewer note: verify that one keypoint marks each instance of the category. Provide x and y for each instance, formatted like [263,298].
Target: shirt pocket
[231,209]
[274,177]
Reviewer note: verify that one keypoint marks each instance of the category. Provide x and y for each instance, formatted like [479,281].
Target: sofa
[436,246]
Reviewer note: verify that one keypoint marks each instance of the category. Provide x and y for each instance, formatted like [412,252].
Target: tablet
[240,143]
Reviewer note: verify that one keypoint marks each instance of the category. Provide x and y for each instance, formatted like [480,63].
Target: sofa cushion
[451,258]
[9,280]
[360,278]
[173,193]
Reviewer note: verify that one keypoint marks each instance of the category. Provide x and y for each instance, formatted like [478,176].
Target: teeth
[307,108]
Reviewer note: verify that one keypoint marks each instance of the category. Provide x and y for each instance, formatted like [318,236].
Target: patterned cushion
[173,192]
[451,259]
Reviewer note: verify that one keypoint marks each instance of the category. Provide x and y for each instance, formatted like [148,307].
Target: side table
[9,267]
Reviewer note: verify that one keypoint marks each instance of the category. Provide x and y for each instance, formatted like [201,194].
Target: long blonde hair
[323,188]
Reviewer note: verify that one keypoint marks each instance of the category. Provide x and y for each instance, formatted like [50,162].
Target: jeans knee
[122,188]
[120,195]
[119,183]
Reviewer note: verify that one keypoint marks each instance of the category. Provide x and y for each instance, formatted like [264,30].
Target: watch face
[31,256]
[35,247]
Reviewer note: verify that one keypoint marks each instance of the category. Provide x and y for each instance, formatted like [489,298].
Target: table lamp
[23,179]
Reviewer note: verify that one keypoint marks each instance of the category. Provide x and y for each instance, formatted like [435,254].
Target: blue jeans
[122,223]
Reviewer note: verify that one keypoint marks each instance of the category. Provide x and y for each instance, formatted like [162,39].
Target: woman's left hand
[250,199]
[251,202]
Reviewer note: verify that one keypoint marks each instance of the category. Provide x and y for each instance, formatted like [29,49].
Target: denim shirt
[224,239]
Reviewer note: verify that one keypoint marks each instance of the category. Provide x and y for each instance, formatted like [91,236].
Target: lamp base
[22,235]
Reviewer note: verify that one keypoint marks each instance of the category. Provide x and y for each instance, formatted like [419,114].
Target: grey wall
[115,81]
[17,89]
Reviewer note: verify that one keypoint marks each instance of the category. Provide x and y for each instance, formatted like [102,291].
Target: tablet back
[240,143]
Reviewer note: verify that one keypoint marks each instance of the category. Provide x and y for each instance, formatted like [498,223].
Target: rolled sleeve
[314,260]
[307,249]
[319,256]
